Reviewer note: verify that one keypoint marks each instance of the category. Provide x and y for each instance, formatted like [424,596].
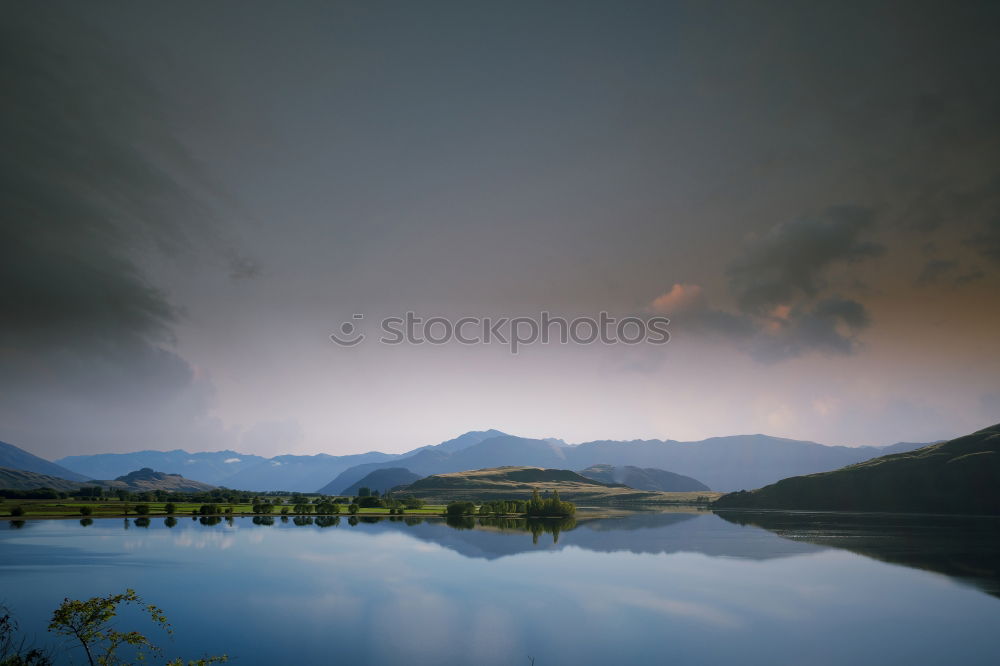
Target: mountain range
[721,463]
[958,476]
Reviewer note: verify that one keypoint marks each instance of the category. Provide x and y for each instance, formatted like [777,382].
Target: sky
[196,195]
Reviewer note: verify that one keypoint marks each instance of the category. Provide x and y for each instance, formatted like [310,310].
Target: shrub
[17,510]
[86,511]
[142,509]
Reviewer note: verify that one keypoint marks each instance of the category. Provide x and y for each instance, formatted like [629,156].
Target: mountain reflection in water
[966,548]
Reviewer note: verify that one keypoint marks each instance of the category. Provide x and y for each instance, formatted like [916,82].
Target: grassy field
[113,508]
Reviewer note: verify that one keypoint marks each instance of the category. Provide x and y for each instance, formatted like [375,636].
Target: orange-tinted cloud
[681,297]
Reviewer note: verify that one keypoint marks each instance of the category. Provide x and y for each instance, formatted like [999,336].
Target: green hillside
[518,483]
[958,476]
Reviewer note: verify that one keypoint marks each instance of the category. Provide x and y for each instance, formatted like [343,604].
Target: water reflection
[651,587]
[963,547]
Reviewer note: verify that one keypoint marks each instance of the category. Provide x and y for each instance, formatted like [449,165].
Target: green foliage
[142,509]
[89,622]
[503,508]
[17,510]
[413,503]
[86,510]
[549,506]
[209,509]
[460,509]
[169,507]
[353,509]
[327,508]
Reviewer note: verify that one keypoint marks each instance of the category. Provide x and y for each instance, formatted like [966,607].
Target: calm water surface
[685,588]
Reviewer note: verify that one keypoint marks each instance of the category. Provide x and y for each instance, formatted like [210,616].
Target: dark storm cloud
[780,282]
[790,261]
[81,191]
[90,181]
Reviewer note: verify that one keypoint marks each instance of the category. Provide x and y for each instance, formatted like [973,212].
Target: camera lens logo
[347,330]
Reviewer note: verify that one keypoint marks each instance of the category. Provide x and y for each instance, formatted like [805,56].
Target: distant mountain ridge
[380,480]
[13,457]
[958,476]
[232,469]
[644,478]
[721,463]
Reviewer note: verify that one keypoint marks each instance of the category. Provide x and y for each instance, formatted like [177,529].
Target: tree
[169,507]
[86,510]
[17,510]
[90,623]
[353,509]
[142,509]
[460,508]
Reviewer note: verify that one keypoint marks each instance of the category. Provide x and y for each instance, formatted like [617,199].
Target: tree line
[549,506]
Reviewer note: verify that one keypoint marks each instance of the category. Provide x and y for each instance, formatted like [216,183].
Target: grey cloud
[830,326]
[936,270]
[785,307]
[987,241]
[91,180]
[791,260]
[243,268]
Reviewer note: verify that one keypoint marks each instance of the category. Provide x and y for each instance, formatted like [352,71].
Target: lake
[629,588]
